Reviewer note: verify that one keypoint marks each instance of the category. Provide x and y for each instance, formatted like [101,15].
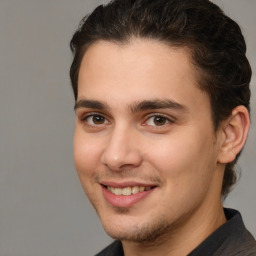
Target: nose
[122,150]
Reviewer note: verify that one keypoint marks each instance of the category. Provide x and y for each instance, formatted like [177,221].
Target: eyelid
[170,120]
[88,114]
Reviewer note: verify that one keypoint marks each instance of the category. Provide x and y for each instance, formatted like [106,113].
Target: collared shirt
[231,239]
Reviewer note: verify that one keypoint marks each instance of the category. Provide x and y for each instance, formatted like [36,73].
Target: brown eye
[95,120]
[157,121]
[98,119]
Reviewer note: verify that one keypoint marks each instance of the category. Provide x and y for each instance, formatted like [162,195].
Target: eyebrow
[157,104]
[134,107]
[94,104]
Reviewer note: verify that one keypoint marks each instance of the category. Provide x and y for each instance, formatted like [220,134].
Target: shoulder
[242,245]
[114,249]
[239,241]
[232,239]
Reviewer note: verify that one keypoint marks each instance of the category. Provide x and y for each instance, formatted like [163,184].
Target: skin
[121,140]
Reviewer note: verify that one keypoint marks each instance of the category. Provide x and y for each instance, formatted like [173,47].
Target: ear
[234,130]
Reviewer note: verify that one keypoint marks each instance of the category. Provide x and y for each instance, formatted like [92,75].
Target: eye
[95,119]
[157,121]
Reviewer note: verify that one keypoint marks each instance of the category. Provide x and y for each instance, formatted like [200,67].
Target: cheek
[86,153]
[86,158]
[185,166]
[170,153]
[181,157]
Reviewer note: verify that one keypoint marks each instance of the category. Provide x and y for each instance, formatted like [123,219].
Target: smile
[126,195]
[127,191]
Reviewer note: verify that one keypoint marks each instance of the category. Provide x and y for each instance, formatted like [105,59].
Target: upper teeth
[127,191]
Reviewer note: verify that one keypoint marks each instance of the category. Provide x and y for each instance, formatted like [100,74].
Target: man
[162,104]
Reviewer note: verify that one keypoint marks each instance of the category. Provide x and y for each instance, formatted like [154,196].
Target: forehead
[138,70]
[133,57]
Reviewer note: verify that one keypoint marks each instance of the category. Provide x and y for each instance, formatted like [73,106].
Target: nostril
[119,155]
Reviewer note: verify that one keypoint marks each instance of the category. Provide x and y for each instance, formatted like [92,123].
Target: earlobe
[235,130]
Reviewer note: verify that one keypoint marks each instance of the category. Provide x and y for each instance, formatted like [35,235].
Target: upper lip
[126,184]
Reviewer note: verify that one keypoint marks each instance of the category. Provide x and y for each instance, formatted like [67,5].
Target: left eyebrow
[157,104]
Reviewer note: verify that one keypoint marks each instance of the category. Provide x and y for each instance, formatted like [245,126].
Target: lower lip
[124,201]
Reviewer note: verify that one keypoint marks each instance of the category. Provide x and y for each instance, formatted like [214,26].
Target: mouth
[126,195]
[127,191]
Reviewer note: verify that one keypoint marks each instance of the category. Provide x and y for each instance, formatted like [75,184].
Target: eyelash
[167,119]
[93,114]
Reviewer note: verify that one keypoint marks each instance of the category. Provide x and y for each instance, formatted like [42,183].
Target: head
[217,48]
[215,52]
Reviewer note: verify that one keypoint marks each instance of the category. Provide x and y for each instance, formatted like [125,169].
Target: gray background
[43,209]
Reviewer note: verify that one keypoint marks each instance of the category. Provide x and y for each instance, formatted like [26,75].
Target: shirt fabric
[231,239]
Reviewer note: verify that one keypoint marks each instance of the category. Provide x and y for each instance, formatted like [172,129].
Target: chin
[126,229]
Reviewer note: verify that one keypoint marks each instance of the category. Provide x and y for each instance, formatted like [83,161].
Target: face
[144,145]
